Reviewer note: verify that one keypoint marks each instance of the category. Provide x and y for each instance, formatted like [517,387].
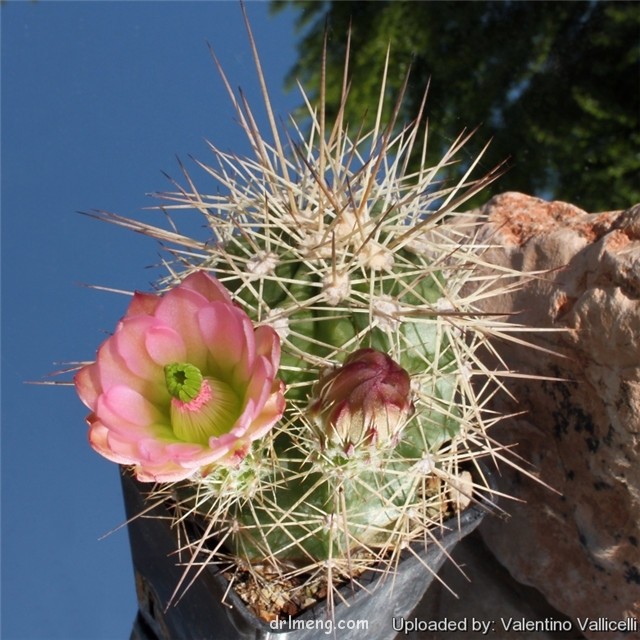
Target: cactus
[363,267]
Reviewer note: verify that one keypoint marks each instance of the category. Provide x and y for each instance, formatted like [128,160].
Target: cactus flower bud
[366,401]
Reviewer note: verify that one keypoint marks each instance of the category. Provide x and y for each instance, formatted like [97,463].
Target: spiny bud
[366,401]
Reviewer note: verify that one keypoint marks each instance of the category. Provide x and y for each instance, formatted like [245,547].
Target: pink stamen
[199,401]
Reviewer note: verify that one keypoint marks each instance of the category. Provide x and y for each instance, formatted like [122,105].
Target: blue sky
[98,98]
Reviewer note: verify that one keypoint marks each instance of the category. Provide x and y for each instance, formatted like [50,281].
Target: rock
[580,545]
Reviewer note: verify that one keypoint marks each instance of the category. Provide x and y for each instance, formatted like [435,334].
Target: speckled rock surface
[581,546]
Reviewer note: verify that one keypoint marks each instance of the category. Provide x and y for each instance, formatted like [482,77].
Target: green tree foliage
[556,85]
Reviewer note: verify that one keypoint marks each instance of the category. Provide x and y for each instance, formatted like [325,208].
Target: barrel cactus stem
[355,266]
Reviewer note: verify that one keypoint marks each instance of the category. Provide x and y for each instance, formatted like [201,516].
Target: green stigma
[183,380]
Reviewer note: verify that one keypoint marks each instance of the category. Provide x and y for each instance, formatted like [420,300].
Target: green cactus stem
[340,247]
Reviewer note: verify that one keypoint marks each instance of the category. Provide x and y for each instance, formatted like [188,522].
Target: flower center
[183,380]
[201,407]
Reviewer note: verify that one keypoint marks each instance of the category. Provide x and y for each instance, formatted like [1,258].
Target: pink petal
[153,451]
[184,451]
[122,361]
[271,412]
[268,344]
[164,345]
[179,309]
[99,440]
[88,387]
[228,335]
[242,424]
[222,445]
[163,473]
[122,448]
[260,382]
[129,344]
[143,304]
[207,286]
[189,457]
[127,412]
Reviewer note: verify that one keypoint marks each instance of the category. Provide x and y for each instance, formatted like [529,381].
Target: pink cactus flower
[185,382]
[366,401]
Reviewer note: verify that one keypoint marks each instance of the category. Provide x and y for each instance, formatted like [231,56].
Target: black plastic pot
[201,615]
